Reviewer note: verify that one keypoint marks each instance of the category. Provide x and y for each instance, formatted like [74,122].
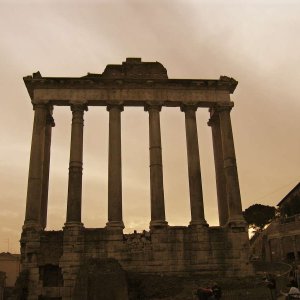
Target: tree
[259,215]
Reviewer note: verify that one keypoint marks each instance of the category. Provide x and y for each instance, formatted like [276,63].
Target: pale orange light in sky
[256,42]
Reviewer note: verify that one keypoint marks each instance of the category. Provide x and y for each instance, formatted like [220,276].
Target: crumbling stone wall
[83,263]
[100,279]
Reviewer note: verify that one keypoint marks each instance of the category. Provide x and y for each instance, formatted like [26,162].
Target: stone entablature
[100,89]
[56,257]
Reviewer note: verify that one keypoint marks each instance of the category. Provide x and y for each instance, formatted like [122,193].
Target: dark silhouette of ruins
[54,260]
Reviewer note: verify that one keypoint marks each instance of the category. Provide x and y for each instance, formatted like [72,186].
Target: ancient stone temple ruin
[54,258]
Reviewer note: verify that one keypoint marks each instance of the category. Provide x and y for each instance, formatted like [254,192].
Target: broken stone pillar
[35,177]
[195,181]
[115,219]
[75,166]
[158,218]
[214,122]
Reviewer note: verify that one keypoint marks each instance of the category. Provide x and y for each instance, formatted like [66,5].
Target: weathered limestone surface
[115,168]
[195,181]
[75,165]
[218,251]
[56,261]
[101,279]
[214,122]
[234,203]
[35,177]
[158,217]
[46,168]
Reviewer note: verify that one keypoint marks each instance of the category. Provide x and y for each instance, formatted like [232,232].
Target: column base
[158,224]
[115,225]
[198,223]
[32,225]
[73,225]
[237,222]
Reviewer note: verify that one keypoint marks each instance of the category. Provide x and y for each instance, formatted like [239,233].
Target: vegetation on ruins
[258,216]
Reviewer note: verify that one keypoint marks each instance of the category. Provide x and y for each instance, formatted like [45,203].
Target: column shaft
[115,218]
[46,168]
[34,189]
[158,217]
[75,165]
[235,214]
[214,122]
[195,181]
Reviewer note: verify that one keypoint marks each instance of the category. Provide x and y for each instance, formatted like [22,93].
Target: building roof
[296,188]
[9,256]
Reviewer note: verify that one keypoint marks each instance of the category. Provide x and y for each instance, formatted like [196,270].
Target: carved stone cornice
[142,82]
[228,83]
[98,82]
[133,74]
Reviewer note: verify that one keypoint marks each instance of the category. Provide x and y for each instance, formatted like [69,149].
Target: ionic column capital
[214,119]
[216,109]
[189,107]
[119,107]
[78,107]
[222,106]
[153,106]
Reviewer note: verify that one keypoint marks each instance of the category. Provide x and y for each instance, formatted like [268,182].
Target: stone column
[195,181]
[75,166]
[235,215]
[158,218]
[35,177]
[115,219]
[214,122]
[46,167]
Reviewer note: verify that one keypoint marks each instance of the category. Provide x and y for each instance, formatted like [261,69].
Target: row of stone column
[229,201]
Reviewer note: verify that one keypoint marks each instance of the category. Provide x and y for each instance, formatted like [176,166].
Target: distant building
[281,239]
[2,285]
[10,265]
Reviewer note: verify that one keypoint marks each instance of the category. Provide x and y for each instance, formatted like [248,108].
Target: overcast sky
[256,42]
